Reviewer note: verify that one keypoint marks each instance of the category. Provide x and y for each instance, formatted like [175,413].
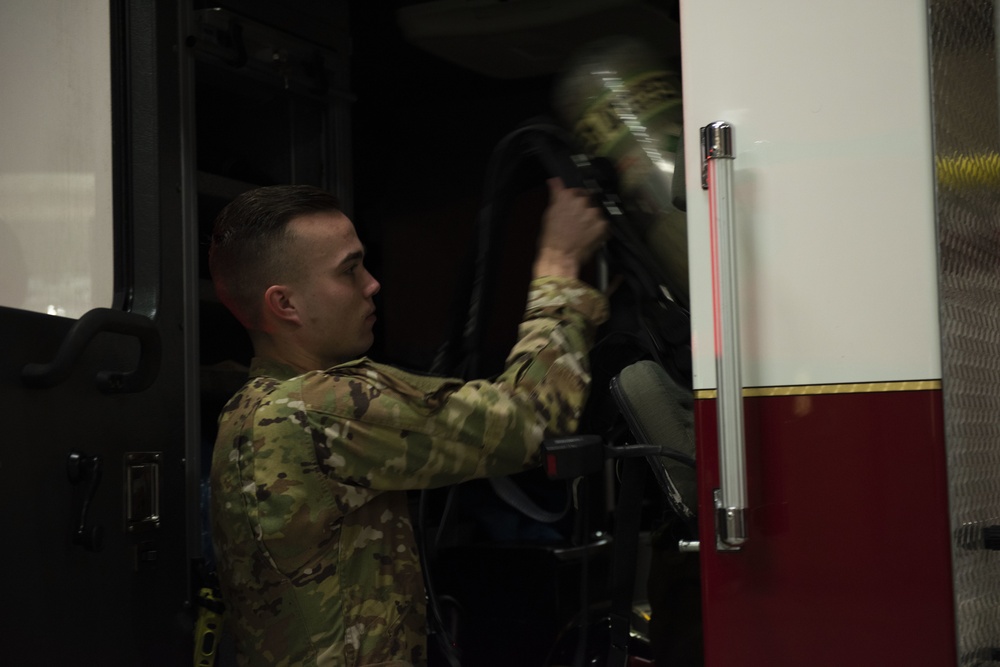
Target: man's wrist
[549,263]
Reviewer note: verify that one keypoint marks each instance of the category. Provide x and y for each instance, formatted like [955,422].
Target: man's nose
[373,285]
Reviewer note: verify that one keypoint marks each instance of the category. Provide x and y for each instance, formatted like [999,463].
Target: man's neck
[266,347]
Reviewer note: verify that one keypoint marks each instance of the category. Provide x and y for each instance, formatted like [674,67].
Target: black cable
[583,508]
[449,648]
[624,557]
[459,355]
[510,151]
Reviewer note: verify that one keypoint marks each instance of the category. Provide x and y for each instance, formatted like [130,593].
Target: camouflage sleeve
[374,426]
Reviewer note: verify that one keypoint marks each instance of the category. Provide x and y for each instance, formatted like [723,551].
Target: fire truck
[811,190]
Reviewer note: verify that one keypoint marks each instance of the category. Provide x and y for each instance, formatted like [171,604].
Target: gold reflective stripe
[817,389]
[969,171]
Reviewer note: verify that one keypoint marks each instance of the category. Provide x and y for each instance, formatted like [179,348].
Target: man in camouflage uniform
[316,552]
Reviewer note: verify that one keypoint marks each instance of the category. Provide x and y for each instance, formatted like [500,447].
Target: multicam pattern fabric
[317,558]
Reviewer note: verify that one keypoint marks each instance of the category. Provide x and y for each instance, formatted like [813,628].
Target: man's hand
[573,228]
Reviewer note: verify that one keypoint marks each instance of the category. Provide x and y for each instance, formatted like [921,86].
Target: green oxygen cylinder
[623,104]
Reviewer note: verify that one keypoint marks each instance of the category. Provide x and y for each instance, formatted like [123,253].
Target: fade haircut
[250,244]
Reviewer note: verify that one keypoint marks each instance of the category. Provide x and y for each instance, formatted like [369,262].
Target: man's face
[334,291]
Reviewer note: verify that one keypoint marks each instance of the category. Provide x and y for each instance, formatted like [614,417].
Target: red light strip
[713,230]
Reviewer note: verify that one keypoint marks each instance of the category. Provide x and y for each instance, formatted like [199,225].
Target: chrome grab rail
[731,497]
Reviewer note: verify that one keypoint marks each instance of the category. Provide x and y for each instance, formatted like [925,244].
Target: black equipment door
[98,524]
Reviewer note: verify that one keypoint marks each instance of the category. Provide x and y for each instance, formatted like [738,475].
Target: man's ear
[278,304]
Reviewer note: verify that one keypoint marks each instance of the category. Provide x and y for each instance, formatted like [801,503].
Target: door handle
[731,496]
[93,322]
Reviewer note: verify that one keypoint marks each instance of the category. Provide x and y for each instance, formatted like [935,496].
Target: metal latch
[142,491]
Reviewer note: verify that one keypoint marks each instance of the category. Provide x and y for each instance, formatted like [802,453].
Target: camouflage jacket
[316,553]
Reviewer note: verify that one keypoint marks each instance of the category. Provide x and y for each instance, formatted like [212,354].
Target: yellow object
[208,629]
[962,171]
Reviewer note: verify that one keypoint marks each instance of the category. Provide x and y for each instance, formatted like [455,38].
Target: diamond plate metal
[967,154]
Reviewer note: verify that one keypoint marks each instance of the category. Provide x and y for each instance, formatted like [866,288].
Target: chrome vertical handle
[731,497]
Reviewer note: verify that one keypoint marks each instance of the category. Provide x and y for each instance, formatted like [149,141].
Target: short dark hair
[248,253]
